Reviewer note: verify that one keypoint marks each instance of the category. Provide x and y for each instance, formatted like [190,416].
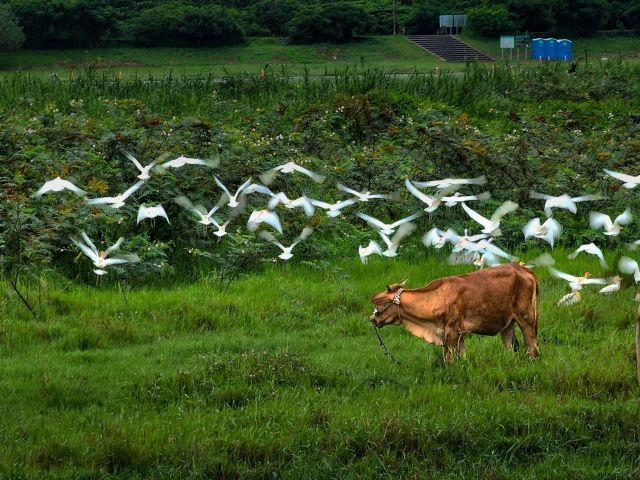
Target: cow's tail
[536,301]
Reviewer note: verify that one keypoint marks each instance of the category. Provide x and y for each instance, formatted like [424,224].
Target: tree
[581,18]
[177,25]
[11,35]
[273,15]
[489,22]
[332,22]
[64,23]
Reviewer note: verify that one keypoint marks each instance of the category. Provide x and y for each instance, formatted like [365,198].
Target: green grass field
[282,376]
[392,54]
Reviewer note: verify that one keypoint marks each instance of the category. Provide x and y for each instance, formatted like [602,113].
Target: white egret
[394,242]
[563,201]
[152,212]
[363,196]
[290,167]
[630,266]
[57,185]
[370,249]
[303,202]
[629,180]
[144,171]
[118,200]
[263,216]
[491,225]
[387,228]
[577,282]
[286,251]
[592,249]
[448,182]
[600,220]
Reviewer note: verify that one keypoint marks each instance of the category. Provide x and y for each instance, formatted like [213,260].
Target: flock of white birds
[477,249]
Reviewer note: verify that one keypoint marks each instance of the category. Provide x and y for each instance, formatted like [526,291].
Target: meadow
[212,358]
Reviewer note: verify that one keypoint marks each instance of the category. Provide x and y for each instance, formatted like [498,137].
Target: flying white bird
[577,282]
[459,241]
[100,259]
[614,287]
[267,177]
[286,251]
[263,216]
[448,182]
[181,161]
[630,266]
[459,198]
[361,196]
[630,181]
[233,199]
[593,250]
[563,201]
[144,171]
[370,249]
[600,220]
[118,200]
[547,231]
[393,243]
[492,225]
[387,228]
[543,260]
[333,209]
[298,202]
[485,246]
[432,201]
[487,259]
[152,212]
[205,217]
[436,237]
[57,185]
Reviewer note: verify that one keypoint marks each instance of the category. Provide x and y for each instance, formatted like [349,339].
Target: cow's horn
[402,284]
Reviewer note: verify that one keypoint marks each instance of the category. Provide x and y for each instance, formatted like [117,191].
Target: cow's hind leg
[509,338]
[530,337]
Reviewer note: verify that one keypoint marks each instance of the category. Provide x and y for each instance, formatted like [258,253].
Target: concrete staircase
[449,48]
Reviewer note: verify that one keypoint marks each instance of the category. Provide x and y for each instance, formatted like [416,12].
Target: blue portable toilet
[538,49]
[552,48]
[564,50]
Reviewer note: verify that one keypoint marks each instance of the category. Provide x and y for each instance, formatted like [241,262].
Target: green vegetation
[283,376]
[211,358]
[393,54]
[194,23]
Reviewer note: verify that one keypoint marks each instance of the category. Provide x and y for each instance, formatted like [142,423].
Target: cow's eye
[375,311]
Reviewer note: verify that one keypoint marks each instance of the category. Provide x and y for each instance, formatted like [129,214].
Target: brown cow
[485,302]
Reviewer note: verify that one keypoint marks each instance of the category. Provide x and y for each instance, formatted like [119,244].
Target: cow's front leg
[453,343]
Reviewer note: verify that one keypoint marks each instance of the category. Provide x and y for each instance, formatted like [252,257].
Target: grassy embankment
[392,54]
[283,376]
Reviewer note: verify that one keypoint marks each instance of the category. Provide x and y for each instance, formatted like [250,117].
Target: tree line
[62,24]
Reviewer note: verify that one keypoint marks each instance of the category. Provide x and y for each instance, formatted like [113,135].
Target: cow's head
[387,311]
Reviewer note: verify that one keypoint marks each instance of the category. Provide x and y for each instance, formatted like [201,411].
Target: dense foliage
[83,23]
[540,129]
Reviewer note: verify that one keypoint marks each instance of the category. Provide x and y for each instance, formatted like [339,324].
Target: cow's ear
[388,289]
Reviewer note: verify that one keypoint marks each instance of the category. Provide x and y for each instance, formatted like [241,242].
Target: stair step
[448,48]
